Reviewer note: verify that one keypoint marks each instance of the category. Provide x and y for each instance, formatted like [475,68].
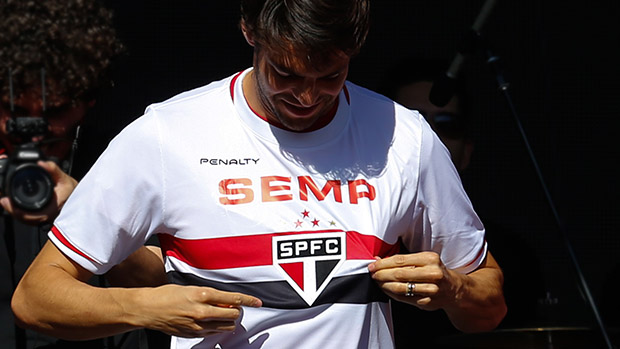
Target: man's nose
[306,93]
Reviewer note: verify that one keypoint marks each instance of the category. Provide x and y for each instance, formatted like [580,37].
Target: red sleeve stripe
[67,244]
[256,250]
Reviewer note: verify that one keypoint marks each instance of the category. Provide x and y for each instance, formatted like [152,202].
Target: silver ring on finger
[410,289]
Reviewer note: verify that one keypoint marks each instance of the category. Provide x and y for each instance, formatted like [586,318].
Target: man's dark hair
[314,27]
[73,40]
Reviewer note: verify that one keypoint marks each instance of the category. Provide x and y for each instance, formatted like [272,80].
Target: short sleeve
[119,203]
[444,219]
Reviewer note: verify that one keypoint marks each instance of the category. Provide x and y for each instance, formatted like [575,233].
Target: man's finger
[52,168]
[7,205]
[222,298]
[218,325]
[396,261]
[402,260]
[217,313]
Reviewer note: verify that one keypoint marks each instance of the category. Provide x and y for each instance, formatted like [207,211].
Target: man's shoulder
[214,92]
[367,99]
[197,107]
[360,94]
[376,109]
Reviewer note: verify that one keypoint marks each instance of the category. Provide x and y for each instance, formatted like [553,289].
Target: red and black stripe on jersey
[256,251]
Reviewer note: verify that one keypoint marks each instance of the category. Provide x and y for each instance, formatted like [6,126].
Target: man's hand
[184,311]
[434,286]
[474,302]
[63,187]
[192,311]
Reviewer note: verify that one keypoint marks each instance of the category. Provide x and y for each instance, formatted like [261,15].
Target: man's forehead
[288,61]
[296,59]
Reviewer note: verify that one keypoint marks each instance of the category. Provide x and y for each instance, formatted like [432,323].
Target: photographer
[54,57]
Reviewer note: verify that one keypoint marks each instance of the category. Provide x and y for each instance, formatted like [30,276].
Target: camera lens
[30,187]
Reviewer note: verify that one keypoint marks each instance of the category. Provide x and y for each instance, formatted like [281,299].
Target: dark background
[561,59]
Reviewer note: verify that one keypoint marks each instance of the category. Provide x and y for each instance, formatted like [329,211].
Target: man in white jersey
[280,196]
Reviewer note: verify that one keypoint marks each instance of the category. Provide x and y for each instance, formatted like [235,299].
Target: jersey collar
[273,133]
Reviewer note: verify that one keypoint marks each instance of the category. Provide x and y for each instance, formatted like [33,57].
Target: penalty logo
[309,261]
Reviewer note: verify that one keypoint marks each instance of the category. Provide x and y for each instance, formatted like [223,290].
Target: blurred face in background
[63,115]
[448,121]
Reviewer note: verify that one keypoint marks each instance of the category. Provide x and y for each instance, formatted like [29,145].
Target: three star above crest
[305,215]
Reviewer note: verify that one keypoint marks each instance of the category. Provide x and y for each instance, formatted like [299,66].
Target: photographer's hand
[63,187]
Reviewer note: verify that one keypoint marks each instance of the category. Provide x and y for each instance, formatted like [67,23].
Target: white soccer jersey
[291,218]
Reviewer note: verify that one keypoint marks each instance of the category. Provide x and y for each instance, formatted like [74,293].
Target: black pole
[493,61]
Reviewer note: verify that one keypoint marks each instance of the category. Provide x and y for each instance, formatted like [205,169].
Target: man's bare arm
[143,268]
[54,299]
[479,301]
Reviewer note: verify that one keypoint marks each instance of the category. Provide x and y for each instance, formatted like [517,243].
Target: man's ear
[246,34]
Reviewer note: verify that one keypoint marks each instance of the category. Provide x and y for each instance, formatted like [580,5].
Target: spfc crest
[309,261]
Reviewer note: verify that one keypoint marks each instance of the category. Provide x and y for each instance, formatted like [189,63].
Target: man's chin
[298,124]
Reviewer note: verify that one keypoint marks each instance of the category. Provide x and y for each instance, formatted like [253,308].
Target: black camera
[27,184]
